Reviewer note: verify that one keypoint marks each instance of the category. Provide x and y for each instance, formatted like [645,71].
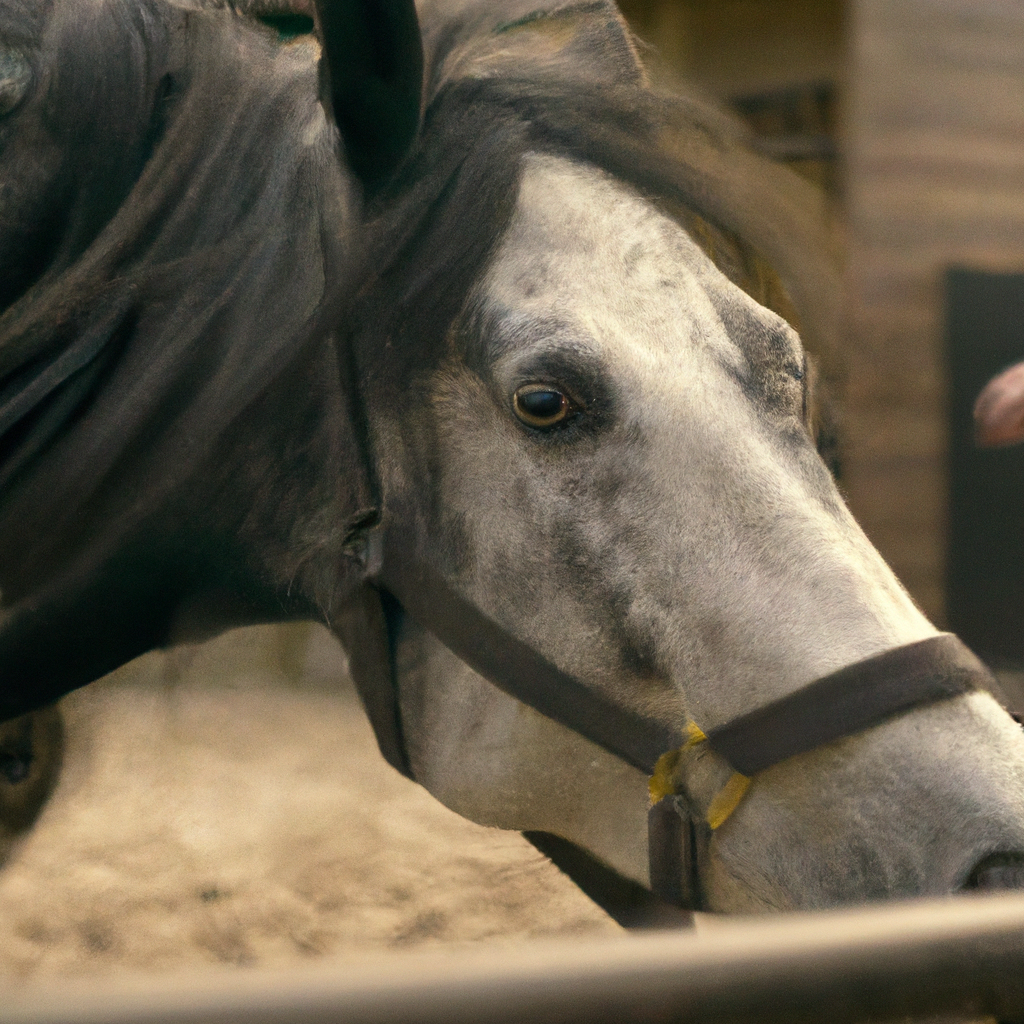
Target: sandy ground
[226,804]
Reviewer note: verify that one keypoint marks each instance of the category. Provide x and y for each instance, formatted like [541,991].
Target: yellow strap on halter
[660,784]
[694,735]
[727,799]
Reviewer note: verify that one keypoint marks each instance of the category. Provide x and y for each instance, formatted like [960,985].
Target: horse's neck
[252,529]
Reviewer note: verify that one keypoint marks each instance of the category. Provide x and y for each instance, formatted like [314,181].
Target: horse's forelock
[432,233]
[434,229]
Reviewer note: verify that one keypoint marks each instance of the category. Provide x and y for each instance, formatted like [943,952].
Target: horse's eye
[541,406]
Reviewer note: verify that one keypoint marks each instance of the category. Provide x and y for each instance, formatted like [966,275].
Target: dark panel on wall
[985,566]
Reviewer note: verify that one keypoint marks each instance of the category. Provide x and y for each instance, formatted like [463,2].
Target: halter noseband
[837,705]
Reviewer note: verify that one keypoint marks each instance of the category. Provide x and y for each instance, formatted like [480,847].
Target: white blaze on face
[681,545]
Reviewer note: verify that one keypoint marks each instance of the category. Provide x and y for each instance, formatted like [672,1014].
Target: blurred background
[910,116]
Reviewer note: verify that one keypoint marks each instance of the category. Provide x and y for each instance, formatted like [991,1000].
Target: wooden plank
[950,957]
[935,167]
[892,431]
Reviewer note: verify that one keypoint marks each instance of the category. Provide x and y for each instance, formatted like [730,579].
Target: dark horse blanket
[171,190]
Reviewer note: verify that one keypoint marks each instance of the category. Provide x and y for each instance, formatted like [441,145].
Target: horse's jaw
[466,741]
[899,812]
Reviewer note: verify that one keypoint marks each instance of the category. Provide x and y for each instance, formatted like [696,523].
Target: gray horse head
[582,423]
[558,399]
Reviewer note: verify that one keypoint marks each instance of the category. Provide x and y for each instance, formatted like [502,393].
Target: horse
[452,334]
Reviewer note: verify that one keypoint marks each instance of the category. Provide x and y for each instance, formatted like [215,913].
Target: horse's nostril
[15,769]
[999,871]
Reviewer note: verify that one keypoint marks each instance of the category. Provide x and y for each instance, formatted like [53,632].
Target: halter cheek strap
[508,662]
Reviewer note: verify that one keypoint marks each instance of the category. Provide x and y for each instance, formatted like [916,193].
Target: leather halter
[840,704]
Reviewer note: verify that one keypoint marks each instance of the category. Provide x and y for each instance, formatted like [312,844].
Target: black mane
[181,217]
[196,199]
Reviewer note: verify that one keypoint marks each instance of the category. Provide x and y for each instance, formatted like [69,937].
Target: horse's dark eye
[540,406]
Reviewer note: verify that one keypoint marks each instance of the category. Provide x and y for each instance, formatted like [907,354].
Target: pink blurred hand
[999,410]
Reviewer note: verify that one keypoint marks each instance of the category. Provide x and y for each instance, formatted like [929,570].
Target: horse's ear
[372,77]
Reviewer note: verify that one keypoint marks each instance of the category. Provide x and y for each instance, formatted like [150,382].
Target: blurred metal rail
[963,955]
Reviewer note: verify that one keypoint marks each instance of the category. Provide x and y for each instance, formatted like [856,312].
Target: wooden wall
[931,174]
[934,151]
[735,47]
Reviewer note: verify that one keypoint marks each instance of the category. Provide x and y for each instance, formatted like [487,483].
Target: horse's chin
[728,892]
